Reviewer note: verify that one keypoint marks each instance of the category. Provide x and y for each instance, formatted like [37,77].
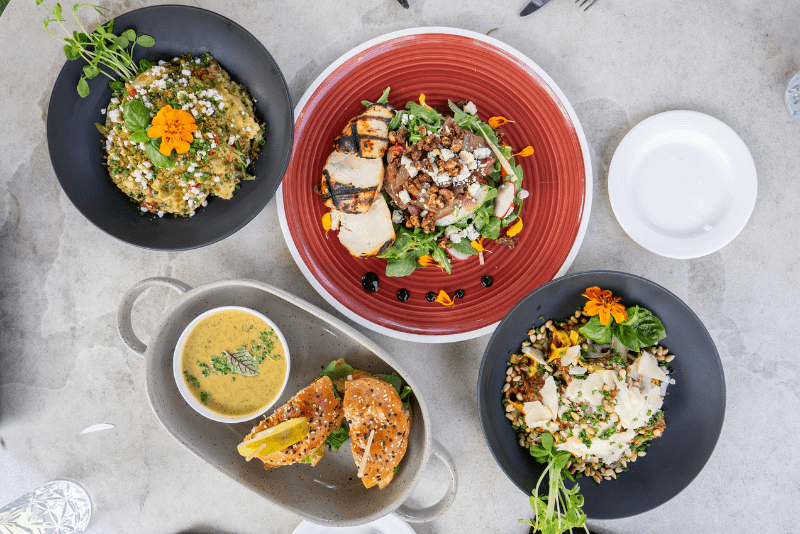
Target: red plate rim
[325,80]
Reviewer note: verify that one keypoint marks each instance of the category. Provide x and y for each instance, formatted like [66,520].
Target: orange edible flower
[525,152]
[427,260]
[561,342]
[444,299]
[515,228]
[496,122]
[605,304]
[421,99]
[517,405]
[326,222]
[176,129]
[478,245]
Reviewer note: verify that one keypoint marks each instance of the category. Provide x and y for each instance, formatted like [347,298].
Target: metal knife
[532,6]
[404,3]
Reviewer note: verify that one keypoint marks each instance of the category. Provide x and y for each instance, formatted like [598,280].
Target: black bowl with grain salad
[225,144]
[601,402]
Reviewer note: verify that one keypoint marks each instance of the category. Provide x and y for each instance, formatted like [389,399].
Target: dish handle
[124,326]
[423,515]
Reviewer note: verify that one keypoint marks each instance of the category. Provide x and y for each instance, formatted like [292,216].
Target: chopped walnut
[442,243]
[457,145]
[507,241]
[428,225]
[412,221]
[412,188]
[446,196]
[433,188]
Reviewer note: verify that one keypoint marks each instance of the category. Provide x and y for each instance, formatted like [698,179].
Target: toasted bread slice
[365,235]
[318,403]
[350,183]
[366,135]
[372,406]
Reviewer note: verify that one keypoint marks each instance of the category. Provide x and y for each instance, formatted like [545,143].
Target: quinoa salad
[178,133]
[600,399]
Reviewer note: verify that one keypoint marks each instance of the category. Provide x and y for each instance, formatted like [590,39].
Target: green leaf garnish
[337,438]
[335,372]
[242,362]
[561,509]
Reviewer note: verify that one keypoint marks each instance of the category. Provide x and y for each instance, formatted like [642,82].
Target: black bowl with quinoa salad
[694,406]
[211,192]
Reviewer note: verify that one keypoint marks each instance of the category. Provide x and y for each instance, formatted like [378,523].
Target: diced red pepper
[132,91]
[216,139]
[149,192]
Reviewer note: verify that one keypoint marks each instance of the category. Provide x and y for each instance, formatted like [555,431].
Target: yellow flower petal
[326,222]
[427,260]
[421,99]
[515,228]
[478,244]
[496,122]
[444,299]
[525,152]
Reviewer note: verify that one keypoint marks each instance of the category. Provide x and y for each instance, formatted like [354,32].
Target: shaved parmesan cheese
[536,414]
[588,390]
[647,366]
[577,370]
[570,355]
[607,450]
[633,406]
[534,353]
[549,394]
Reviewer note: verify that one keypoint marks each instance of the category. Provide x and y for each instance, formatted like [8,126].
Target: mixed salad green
[411,244]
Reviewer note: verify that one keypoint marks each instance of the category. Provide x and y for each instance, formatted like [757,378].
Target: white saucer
[389,524]
[682,184]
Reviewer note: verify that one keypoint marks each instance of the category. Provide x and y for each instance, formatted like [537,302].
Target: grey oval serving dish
[328,494]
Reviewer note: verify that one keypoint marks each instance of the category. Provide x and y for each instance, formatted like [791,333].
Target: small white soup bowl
[177,367]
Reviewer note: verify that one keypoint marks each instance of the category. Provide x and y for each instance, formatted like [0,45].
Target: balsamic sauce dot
[370,282]
[486,280]
[430,296]
[459,294]
[403,294]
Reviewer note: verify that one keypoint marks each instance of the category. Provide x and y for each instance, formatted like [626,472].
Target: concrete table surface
[63,368]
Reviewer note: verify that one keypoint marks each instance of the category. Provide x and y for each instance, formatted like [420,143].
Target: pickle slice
[275,438]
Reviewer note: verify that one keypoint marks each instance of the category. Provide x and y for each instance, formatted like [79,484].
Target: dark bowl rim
[285,164]
[601,272]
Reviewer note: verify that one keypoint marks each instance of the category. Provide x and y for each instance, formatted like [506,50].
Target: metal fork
[591,3]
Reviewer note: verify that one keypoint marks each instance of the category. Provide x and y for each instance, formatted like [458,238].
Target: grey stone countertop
[63,367]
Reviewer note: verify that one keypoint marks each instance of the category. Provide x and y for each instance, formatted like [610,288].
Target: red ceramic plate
[442,63]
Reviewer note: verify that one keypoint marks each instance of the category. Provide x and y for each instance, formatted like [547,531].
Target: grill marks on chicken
[352,180]
[366,136]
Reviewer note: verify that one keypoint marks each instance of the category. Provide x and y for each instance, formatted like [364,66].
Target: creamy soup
[234,363]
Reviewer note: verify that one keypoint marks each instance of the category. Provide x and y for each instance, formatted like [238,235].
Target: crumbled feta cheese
[473,189]
[405,198]
[482,153]
[186,72]
[523,194]
[470,108]
[397,216]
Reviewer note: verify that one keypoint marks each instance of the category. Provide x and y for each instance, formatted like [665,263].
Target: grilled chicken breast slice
[324,412]
[350,183]
[366,135]
[367,234]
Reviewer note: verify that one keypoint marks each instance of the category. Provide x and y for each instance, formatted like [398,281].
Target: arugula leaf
[402,266]
[337,438]
[492,228]
[441,256]
[464,247]
[384,97]
[242,362]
